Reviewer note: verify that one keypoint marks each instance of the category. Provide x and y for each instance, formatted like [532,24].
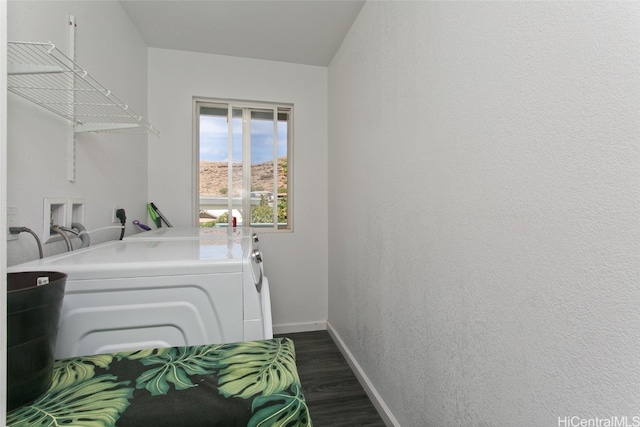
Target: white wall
[3,207]
[296,263]
[110,168]
[484,209]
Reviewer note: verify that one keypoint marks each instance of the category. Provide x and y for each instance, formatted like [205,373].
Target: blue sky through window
[214,139]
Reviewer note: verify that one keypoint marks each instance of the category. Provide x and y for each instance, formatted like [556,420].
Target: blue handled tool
[141,225]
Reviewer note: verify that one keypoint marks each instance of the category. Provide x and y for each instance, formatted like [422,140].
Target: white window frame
[246,106]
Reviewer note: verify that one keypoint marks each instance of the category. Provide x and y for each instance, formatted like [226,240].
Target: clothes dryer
[140,293]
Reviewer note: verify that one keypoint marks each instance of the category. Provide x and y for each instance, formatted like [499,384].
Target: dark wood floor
[332,391]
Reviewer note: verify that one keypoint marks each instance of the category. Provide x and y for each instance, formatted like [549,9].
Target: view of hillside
[214,177]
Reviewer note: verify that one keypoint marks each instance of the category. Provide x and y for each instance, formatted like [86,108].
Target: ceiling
[298,31]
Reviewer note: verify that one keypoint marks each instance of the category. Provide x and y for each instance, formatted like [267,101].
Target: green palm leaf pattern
[69,371]
[261,372]
[174,366]
[257,367]
[141,354]
[93,402]
[280,410]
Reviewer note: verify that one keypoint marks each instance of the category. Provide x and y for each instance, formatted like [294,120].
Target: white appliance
[210,233]
[165,233]
[144,293]
[245,234]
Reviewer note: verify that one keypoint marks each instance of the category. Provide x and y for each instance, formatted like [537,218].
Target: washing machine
[210,233]
[145,293]
[240,234]
[165,233]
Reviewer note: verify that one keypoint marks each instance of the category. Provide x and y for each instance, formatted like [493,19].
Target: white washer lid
[165,233]
[138,258]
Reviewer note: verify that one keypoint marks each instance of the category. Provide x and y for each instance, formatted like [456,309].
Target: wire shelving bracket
[42,74]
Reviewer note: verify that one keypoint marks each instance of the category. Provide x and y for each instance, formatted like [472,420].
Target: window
[244,164]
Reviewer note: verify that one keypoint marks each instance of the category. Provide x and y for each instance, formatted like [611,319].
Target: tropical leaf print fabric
[251,383]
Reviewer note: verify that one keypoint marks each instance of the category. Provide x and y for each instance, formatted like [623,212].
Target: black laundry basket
[33,312]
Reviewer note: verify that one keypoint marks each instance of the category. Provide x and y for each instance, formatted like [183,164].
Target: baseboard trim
[291,328]
[371,391]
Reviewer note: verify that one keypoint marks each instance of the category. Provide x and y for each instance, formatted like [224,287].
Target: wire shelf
[42,74]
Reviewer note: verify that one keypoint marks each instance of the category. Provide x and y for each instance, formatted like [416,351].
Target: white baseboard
[373,394]
[291,328]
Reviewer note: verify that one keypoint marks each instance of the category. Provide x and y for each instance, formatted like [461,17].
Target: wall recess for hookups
[61,211]
[76,211]
[55,213]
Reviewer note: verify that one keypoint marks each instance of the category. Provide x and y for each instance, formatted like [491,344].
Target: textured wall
[484,209]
